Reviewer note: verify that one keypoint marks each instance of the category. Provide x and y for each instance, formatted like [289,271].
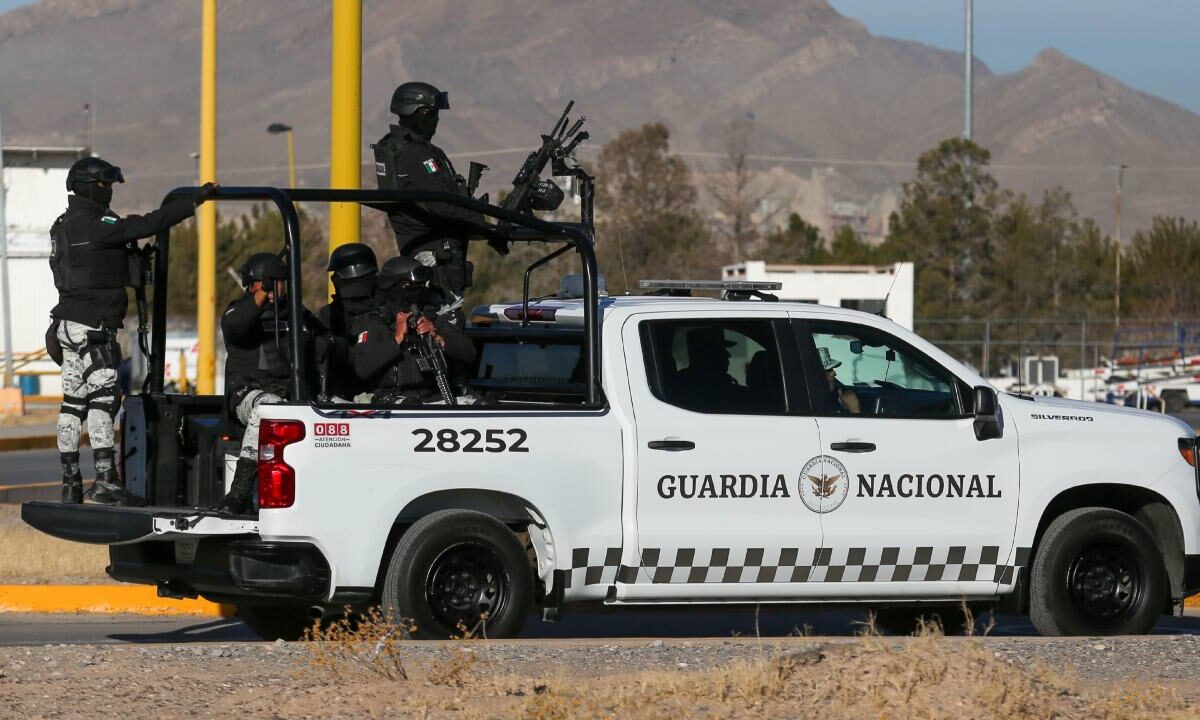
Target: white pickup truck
[660,449]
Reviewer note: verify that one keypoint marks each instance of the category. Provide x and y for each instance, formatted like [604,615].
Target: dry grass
[925,677]
[29,557]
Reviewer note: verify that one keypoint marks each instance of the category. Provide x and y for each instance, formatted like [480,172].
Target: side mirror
[989,422]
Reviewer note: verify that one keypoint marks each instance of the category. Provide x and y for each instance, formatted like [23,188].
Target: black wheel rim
[1105,582]
[466,585]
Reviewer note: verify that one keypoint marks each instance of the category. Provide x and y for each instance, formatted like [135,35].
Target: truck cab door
[721,432]
[912,502]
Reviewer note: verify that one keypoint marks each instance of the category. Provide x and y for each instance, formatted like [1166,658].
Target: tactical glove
[206,191]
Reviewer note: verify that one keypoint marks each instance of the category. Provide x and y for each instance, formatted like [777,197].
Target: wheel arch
[512,510]
[1148,507]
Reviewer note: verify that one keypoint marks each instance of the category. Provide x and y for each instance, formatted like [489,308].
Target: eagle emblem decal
[824,484]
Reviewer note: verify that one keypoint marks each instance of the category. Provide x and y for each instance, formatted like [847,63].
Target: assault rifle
[430,357]
[529,191]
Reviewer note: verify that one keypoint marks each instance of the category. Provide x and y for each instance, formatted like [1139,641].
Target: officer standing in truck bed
[91,247]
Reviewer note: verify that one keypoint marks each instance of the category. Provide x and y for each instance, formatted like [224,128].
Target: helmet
[352,260]
[263,266]
[412,96]
[93,170]
[403,270]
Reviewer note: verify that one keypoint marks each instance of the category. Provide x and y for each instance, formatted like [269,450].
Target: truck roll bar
[580,236]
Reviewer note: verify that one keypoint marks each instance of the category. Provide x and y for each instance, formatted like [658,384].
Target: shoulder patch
[109,219]
[431,166]
[380,169]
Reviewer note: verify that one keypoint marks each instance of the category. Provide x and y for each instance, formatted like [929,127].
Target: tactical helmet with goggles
[264,267]
[93,170]
[412,96]
[351,261]
[403,271]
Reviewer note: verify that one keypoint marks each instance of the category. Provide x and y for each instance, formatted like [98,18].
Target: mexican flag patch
[431,166]
[362,336]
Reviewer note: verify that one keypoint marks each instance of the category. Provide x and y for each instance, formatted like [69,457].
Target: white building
[886,289]
[36,193]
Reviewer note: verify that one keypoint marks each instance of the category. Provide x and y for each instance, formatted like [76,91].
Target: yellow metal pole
[345,121]
[206,273]
[291,160]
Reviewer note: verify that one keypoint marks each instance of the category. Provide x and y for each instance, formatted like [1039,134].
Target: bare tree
[738,198]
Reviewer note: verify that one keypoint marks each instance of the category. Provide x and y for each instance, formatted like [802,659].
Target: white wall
[832,284]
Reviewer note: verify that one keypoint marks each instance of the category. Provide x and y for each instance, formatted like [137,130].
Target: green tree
[944,225]
[1164,269]
[648,225]
[800,243]
[848,248]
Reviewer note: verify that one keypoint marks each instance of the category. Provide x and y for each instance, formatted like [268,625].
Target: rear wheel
[459,572]
[275,622]
[1097,572]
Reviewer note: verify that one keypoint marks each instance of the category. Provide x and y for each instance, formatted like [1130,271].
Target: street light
[277,128]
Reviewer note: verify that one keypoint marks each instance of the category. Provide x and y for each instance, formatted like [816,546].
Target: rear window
[529,363]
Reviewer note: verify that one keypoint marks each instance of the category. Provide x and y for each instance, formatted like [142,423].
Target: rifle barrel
[562,120]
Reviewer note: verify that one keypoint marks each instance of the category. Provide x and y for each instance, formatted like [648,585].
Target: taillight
[276,479]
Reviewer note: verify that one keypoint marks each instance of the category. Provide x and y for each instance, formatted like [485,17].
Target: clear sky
[1148,44]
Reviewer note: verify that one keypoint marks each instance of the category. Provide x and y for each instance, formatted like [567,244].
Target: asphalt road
[29,629]
[23,467]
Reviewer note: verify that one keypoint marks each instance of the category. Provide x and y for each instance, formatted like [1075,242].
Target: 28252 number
[471,441]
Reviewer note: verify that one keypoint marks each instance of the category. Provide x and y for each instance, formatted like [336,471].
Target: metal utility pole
[345,121]
[968,73]
[276,129]
[1117,291]
[206,217]
[7,298]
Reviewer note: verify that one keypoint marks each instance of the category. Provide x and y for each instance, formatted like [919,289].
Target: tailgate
[114,525]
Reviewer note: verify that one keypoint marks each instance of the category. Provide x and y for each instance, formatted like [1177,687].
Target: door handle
[853,446]
[671,445]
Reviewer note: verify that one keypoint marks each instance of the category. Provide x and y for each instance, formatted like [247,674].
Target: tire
[450,568]
[276,622]
[907,620]
[1097,572]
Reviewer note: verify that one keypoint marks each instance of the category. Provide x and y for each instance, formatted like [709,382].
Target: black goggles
[111,175]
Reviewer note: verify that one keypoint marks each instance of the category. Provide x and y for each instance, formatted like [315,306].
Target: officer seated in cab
[90,259]
[385,354]
[353,269]
[257,369]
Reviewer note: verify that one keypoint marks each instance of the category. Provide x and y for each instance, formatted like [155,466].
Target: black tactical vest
[85,265]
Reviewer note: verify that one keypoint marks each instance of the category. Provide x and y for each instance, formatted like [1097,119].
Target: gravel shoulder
[744,678]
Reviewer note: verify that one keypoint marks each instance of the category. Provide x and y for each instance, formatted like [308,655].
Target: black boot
[237,500]
[108,488]
[72,487]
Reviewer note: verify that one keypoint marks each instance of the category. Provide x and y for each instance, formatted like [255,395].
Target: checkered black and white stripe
[790,565]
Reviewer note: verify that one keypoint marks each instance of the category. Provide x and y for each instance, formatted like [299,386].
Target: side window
[715,366]
[868,372]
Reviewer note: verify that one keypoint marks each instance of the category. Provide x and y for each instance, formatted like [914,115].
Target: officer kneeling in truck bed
[385,351]
[257,367]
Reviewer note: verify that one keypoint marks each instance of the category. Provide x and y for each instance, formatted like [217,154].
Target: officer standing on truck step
[93,259]
[406,159]
[353,269]
[257,367]
[384,353]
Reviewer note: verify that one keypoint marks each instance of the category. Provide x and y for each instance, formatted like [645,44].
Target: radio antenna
[621,253]
[886,298]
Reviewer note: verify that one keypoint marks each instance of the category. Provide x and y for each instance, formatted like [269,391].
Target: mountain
[817,84]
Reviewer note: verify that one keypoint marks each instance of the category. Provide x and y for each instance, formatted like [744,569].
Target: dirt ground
[30,557]
[924,677]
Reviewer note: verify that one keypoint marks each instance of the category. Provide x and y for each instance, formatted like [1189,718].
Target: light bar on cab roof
[708,285]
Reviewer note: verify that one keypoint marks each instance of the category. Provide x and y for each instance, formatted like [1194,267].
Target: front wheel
[1097,572]
[459,572]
